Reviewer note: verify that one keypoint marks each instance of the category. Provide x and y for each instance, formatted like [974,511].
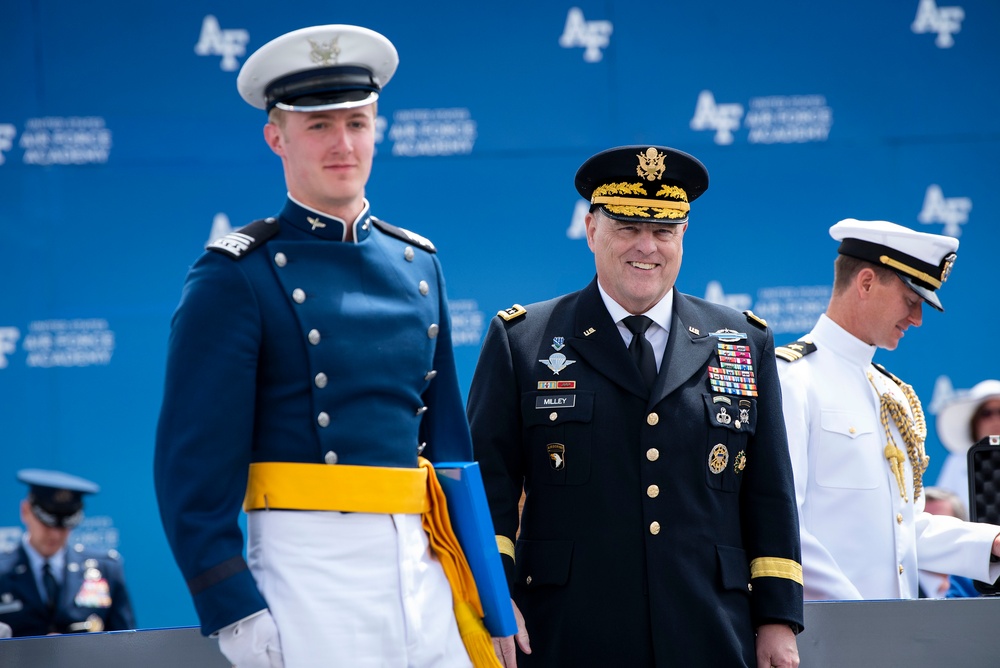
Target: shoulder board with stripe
[755,319]
[893,377]
[792,352]
[515,311]
[239,242]
[404,235]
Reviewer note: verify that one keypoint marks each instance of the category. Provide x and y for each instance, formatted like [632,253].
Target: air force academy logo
[7,134]
[951,211]
[945,21]
[229,44]
[8,343]
[591,35]
[723,118]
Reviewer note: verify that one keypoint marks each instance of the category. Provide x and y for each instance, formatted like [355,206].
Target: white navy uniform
[860,538]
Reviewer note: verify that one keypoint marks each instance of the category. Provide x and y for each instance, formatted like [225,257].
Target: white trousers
[354,589]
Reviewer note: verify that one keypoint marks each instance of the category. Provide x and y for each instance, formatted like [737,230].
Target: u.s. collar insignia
[557,455]
[325,54]
[741,462]
[729,335]
[557,362]
[718,459]
[558,342]
[694,330]
[651,165]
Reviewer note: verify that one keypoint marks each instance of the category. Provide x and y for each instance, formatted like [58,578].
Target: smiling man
[310,380]
[644,426]
[856,432]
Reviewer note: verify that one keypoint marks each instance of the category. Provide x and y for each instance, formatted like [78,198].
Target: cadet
[644,425]
[46,587]
[856,432]
[310,364]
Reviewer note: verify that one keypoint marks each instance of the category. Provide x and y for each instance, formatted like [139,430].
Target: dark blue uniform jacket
[644,511]
[93,585]
[293,346]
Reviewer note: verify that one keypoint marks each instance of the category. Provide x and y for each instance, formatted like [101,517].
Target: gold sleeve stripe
[506,546]
[775,567]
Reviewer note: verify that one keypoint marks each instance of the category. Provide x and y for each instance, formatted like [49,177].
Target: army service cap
[318,68]
[642,183]
[56,497]
[923,261]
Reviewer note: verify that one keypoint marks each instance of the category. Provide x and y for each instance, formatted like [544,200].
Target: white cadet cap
[922,261]
[318,68]
[954,420]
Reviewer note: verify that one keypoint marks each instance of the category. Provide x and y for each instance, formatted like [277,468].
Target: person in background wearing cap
[856,432]
[310,363]
[964,420]
[659,524]
[46,587]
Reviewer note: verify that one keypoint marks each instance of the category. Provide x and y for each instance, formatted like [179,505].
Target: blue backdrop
[124,147]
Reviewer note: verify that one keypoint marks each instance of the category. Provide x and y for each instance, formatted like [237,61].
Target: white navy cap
[318,68]
[954,420]
[923,261]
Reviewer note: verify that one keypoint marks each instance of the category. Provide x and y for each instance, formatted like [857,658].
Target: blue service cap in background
[57,497]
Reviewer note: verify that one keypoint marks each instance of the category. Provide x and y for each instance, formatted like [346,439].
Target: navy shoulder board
[239,242]
[793,352]
[404,235]
[893,377]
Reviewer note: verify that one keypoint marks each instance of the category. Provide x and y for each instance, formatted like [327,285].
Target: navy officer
[644,426]
[310,379]
[48,587]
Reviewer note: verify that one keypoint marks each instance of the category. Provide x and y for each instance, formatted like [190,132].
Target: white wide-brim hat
[954,418]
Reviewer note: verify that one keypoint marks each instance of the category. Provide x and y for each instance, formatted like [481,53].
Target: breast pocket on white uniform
[849,452]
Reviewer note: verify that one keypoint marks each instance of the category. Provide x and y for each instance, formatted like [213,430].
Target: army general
[644,426]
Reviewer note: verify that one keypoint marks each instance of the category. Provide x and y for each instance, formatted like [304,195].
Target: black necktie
[51,586]
[640,348]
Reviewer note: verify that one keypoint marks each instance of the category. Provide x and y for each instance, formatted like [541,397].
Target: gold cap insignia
[651,165]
